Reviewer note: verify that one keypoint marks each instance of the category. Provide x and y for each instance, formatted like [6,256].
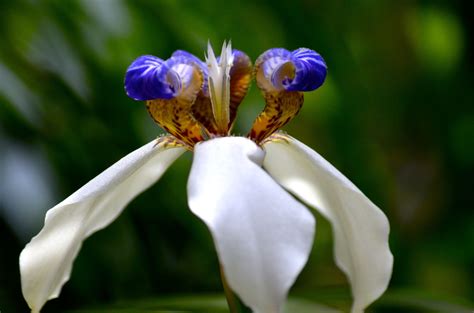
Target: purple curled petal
[149,77]
[142,80]
[300,70]
[202,66]
[271,60]
[192,57]
[177,72]
[310,70]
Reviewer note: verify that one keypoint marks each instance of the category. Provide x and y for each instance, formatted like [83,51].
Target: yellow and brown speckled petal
[175,115]
[281,107]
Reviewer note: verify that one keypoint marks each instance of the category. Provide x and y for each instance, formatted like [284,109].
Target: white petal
[360,228]
[263,236]
[46,262]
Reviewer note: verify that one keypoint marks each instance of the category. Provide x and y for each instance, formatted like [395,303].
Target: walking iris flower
[241,187]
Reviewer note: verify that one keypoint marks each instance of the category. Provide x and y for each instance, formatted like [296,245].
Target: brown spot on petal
[202,111]
[281,107]
[181,124]
[240,79]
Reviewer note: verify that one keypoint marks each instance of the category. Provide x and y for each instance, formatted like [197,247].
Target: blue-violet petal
[142,80]
[300,70]
[149,77]
[310,70]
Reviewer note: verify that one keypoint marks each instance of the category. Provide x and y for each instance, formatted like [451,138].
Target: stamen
[219,85]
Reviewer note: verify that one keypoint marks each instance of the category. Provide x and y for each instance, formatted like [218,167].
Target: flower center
[205,96]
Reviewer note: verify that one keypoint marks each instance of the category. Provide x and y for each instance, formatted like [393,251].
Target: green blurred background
[395,115]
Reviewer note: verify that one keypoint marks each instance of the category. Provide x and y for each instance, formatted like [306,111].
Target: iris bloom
[241,187]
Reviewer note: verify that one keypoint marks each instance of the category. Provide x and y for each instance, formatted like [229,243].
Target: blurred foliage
[396,116]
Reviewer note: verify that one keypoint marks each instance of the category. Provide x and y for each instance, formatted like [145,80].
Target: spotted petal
[360,228]
[283,76]
[262,234]
[170,89]
[300,70]
[46,262]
